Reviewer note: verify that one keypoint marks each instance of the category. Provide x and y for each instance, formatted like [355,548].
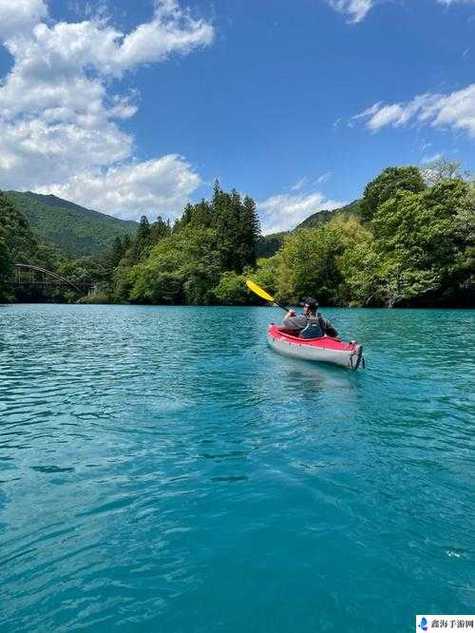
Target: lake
[162,470]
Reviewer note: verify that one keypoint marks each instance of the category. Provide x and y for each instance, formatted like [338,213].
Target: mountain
[74,230]
[268,245]
[320,217]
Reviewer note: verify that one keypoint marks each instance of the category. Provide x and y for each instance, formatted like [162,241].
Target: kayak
[324,349]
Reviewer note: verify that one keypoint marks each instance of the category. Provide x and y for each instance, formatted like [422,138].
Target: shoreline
[227,306]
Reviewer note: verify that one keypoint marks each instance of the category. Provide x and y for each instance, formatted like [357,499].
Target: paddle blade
[260,292]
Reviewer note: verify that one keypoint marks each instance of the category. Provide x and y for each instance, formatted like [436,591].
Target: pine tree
[159,229]
[202,215]
[249,233]
[143,232]
[116,253]
[185,218]
[226,223]
[216,191]
[142,242]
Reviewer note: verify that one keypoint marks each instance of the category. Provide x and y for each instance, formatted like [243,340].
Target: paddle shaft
[263,294]
[279,305]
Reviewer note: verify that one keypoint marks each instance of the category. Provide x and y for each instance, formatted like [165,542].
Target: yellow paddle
[263,294]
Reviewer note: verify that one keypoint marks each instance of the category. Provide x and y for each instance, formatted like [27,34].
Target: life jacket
[317,327]
[313,329]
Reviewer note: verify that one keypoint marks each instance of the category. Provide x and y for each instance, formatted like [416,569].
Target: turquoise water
[163,471]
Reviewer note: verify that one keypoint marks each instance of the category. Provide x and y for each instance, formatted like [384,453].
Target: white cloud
[300,184]
[162,185]
[449,2]
[431,159]
[321,180]
[19,16]
[39,152]
[68,47]
[307,183]
[171,30]
[455,110]
[59,122]
[355,10]
[283,212]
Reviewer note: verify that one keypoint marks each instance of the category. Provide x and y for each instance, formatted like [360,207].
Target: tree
[202,215]
[17,235]
[415,246]
[441,169]
[307,265]
[231,289]
[6,265]
[466,218]
[182,268]
[116,253]
[171,265]
[237,228]
[249,233]
[159,230]
[142,243]
[196,214]
[359,266]
[418,237]
[266,273]
[18,245]
[386,185]
[226,221]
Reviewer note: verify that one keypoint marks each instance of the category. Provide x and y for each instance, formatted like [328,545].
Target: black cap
[311,303]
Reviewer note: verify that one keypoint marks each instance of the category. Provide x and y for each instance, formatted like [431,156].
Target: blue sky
[136,106]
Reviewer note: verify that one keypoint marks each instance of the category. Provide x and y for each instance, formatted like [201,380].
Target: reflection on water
[162,470]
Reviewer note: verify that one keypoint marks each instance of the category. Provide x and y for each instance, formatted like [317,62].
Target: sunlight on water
[162,470]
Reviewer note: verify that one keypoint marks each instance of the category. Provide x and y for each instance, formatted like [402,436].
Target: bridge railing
[27,275]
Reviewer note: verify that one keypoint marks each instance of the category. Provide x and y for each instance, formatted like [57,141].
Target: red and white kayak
[324,349]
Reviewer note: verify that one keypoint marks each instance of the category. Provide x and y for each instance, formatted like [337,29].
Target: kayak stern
[325,349]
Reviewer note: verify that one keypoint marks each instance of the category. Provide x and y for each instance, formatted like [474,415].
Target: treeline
[189,262]
[409,241]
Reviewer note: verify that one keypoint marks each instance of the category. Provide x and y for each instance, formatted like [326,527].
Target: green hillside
[74,230]
[268,245]
[320,217]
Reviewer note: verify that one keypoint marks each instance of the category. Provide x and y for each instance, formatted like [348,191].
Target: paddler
[310,324]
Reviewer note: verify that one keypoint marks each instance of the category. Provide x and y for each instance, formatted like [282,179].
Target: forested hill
[409,242]
[268,245]
[74,230]
[320,217]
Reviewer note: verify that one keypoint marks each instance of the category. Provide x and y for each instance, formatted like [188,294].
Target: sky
[135,107]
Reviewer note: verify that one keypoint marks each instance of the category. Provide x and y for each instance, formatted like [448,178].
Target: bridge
[28,275]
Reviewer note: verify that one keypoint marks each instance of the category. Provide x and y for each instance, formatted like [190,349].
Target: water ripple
[197,481]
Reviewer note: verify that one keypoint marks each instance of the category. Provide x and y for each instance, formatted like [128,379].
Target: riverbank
[462,300]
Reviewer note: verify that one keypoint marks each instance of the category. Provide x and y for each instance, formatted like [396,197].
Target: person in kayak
[310,324]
